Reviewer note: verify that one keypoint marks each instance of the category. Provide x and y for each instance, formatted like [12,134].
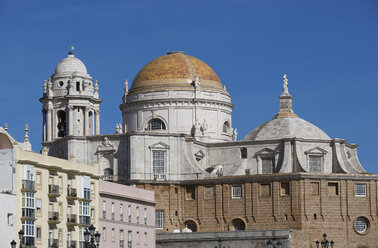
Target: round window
[361,225]
[60,83]
[238,225]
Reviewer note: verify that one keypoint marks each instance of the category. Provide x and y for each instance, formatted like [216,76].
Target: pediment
[266,152]
[159,145]
[316,150]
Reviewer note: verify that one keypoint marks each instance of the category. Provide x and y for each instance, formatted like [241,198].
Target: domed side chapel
[177,139]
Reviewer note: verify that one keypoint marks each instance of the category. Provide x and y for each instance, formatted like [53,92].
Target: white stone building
[177,126]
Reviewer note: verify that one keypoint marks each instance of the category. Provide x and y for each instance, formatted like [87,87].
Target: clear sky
[329,50]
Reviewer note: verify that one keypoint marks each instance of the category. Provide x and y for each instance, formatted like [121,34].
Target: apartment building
[56,199]
[127,216]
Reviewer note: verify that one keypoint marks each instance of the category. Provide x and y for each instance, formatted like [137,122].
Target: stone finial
[196,81]
[285,82]
[6,127]
[286,101]
[235,134]
[96,87]
[126,87]
[45,87]
[45,151]
[26,132]
[49,88]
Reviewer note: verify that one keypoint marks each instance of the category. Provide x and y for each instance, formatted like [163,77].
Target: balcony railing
[28,213]
[53,217]
[53,243]
[104,214]
[71,192]
[85,220]
[53,190]
[28,185]
[71,244]
[71,219]
[121,244]
[129,244]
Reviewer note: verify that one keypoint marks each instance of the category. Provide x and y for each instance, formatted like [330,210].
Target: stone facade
[307,204]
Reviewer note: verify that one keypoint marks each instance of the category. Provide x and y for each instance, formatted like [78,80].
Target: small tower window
[61,123]
[61,83]
[156,124]
[77,86]
[243,152]
[226,127]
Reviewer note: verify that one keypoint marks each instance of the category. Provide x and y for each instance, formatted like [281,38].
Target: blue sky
[329,49]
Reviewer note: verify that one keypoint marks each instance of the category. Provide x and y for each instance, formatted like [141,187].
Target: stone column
[49,119]
[97,122]
[70,120]
[44,124]
[86,121]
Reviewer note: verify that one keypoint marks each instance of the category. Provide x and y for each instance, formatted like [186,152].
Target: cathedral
[177,139]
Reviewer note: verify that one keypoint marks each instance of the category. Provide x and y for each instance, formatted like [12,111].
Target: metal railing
[71,244]
[72,192]
[28,184]
[53,243]
[53,215]
[121,244]
[71,218]
[53,189]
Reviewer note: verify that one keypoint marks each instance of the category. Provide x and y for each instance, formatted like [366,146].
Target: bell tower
[70,102]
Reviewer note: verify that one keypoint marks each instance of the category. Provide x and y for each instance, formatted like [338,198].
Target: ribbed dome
[69,65]
[176,71]
[286,127]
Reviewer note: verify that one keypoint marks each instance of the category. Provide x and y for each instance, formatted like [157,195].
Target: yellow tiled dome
[176,71]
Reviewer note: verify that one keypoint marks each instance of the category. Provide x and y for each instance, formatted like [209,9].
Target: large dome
[286,127]
[176,71]
[70,65]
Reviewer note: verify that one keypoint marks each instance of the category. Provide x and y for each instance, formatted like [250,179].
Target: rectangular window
[315,188]
[209,192]
[137,215]
[145,239]
[285,189]
[38,233]
[112,210]
[137,237]
[145,216]
[92,213]
[267,165]
[159,219]
[60,182]
[129,214]
[360,189]
[315,163]
[333,189]
[265,189]
[113,239]
[103,234]
[104,209]
[86,187]
[38,178]
[237,191]
[129,239]
[28,209]
[92,188]
[10,219]
[121,212]
[38,204]
[158,162]
[121,245]
[243,152]
[190,192]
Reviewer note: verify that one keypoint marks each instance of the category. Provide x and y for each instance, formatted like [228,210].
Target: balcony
[53,217]
[28,186]
[71,220]
[129,244]
[121,244]
[160,177]
[71,244]
[84,220]
[71,194]
[53,243]
[29,241]
[53,190]
[86,196]
[28,213]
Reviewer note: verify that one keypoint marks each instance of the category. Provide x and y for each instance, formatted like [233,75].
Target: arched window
[238,225]
[155,124]
[191,225]
[226,127]
[61,123]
